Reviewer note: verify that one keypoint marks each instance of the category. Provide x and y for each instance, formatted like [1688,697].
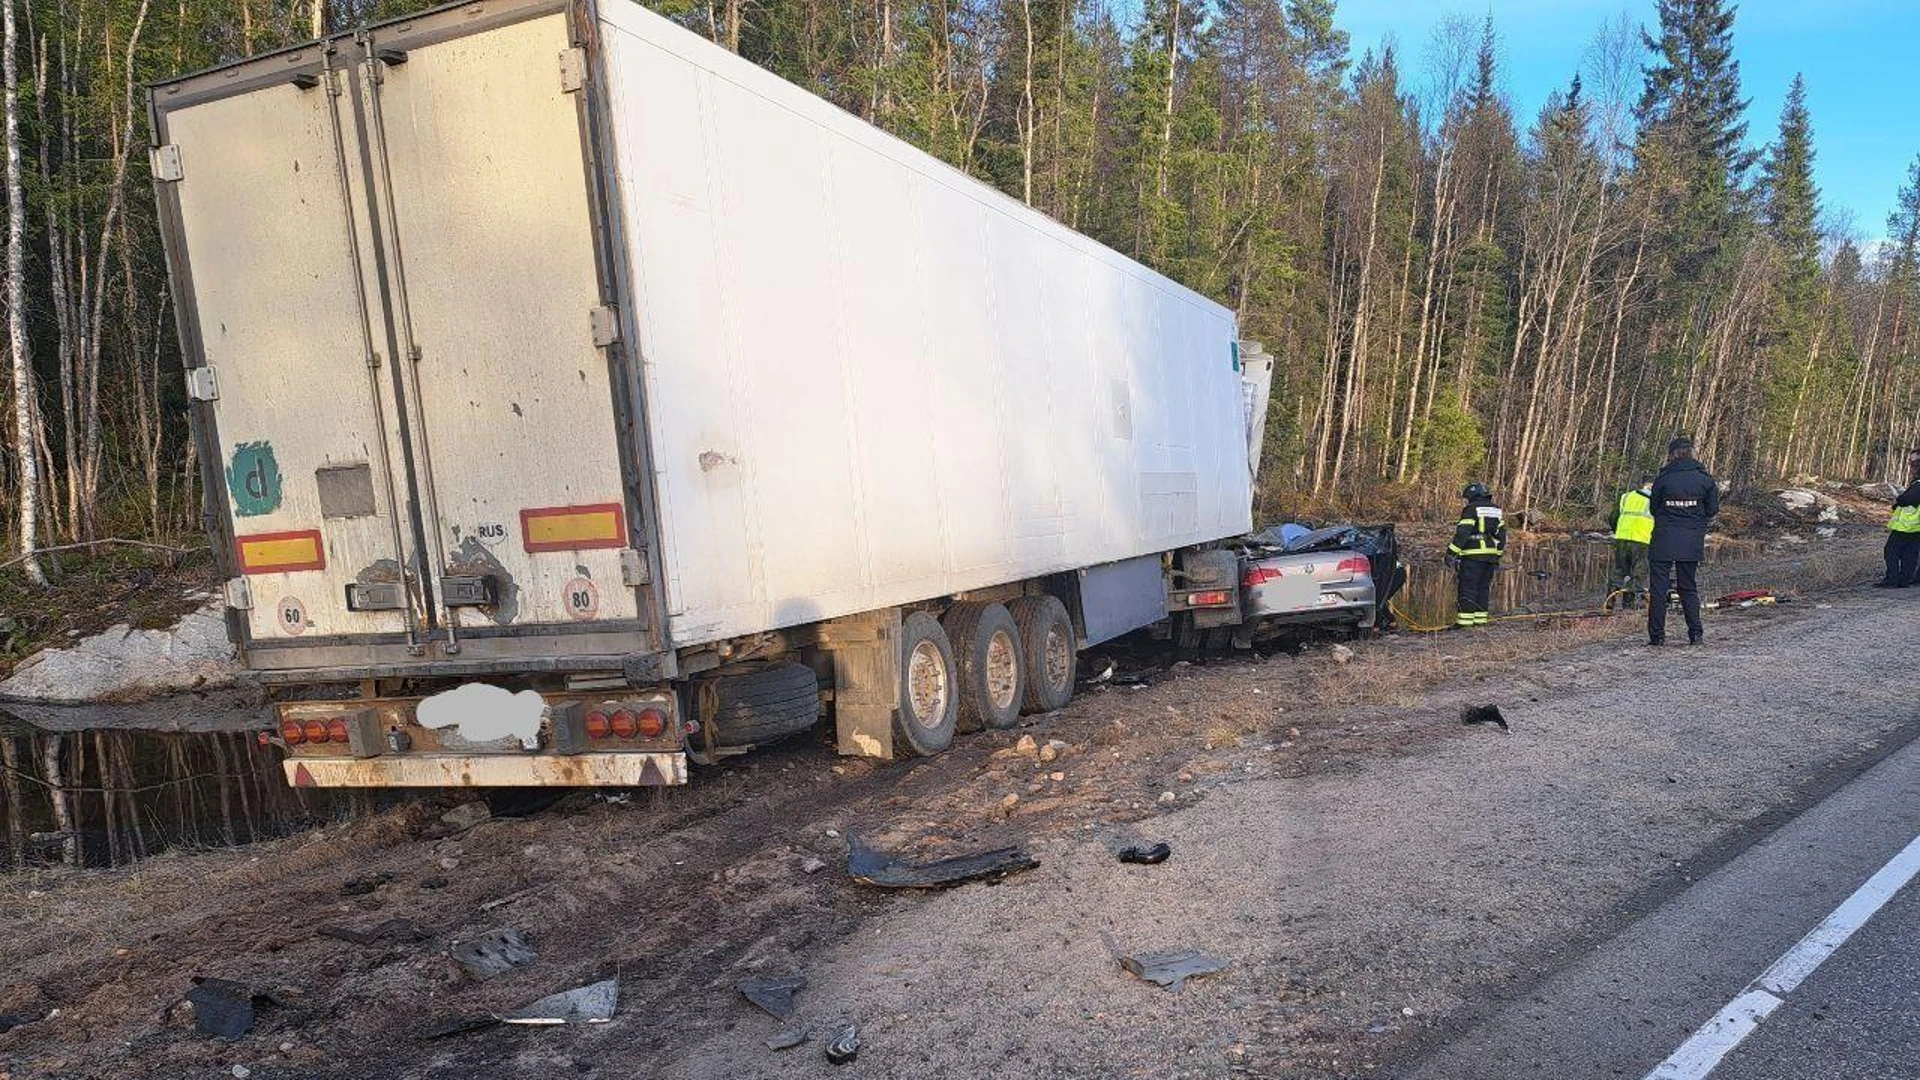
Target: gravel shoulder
[1376,874]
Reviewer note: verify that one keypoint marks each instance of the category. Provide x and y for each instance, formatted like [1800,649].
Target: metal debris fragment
[774,993]
[1173,967]
[590,1004]
[493,953]
[871,867]
[843,1045]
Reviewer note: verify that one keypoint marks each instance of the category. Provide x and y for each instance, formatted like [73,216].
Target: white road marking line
[1704,1049]
[1798,963]
[1701,1052]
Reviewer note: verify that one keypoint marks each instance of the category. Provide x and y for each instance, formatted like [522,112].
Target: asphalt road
[1628,1005]
[1856,1018]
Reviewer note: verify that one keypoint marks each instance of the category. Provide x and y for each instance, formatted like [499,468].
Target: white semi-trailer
[577,397]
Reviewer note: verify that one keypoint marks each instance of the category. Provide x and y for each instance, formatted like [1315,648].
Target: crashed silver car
[1341,575]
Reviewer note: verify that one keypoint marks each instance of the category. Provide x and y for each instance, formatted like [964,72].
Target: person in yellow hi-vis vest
[1479,539]
[1903,533]
[1632,521]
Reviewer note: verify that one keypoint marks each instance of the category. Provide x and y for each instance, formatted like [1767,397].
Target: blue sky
[1857,55]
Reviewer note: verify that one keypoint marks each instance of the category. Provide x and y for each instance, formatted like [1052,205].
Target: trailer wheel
[1048,642]
[929,686]
[993,672]
[761,704]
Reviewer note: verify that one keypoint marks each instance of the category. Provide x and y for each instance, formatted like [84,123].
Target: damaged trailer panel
[550,344]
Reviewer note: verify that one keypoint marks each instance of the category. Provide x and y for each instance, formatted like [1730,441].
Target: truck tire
[761,705]
[993,671]
[929,687]
[1051,649]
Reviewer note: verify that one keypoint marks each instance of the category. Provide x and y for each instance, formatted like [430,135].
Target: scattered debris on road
[870,867]
[1170,969]
[226,1009]
[1484,714]
[773,993]
[593,1003]
[843,1045]
[1146,856]
[494,953]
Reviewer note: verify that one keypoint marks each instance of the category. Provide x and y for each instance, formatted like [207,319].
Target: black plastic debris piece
[446,1026]
[843,1045]
[774,993]
[437,881]
[494,953]
[1483,714]
[870,867]
[593,1003]
[364,884]
[391,932]
[224,1008]
[786,1040]
[1173,967]
[1146,856]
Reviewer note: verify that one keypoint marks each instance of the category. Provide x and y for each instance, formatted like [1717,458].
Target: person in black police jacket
[1685,499]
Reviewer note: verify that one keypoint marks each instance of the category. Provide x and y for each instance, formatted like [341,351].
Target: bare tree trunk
[16,310]
[50,746]
[16,805]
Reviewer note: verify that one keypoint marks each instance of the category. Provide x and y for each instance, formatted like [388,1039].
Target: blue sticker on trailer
[1235,346]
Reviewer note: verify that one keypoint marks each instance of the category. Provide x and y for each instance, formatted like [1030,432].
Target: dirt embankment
[1370,869]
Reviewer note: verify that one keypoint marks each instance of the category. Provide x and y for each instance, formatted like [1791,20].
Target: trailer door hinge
[239,594]
[166,162]
[573,69]
[201,384]
[606,326]
[633,568]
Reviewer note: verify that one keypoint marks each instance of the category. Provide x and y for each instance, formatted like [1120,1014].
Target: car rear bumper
[626,769]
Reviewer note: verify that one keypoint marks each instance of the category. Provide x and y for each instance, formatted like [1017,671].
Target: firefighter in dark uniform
[1479,539]
[1684,500]
[1903,533]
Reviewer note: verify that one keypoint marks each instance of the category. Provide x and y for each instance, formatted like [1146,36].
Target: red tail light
[291,732]
[316,731]
[652,723]
[1259,575]
[625,724]
[597,725]
[1211,598]
[1355,565]
[337,730]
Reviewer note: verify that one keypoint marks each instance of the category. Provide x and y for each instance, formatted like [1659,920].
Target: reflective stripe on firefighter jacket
[1906,519]
[1480,534]
[1636,518]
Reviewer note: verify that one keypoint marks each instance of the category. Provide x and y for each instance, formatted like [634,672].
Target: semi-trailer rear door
[295,398]
[390,253]
[499,299]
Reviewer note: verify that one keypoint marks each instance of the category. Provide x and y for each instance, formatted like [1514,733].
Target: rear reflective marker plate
[280,552]
[574,528]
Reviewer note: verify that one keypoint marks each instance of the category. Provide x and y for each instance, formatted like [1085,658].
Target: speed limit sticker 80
[581,599]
